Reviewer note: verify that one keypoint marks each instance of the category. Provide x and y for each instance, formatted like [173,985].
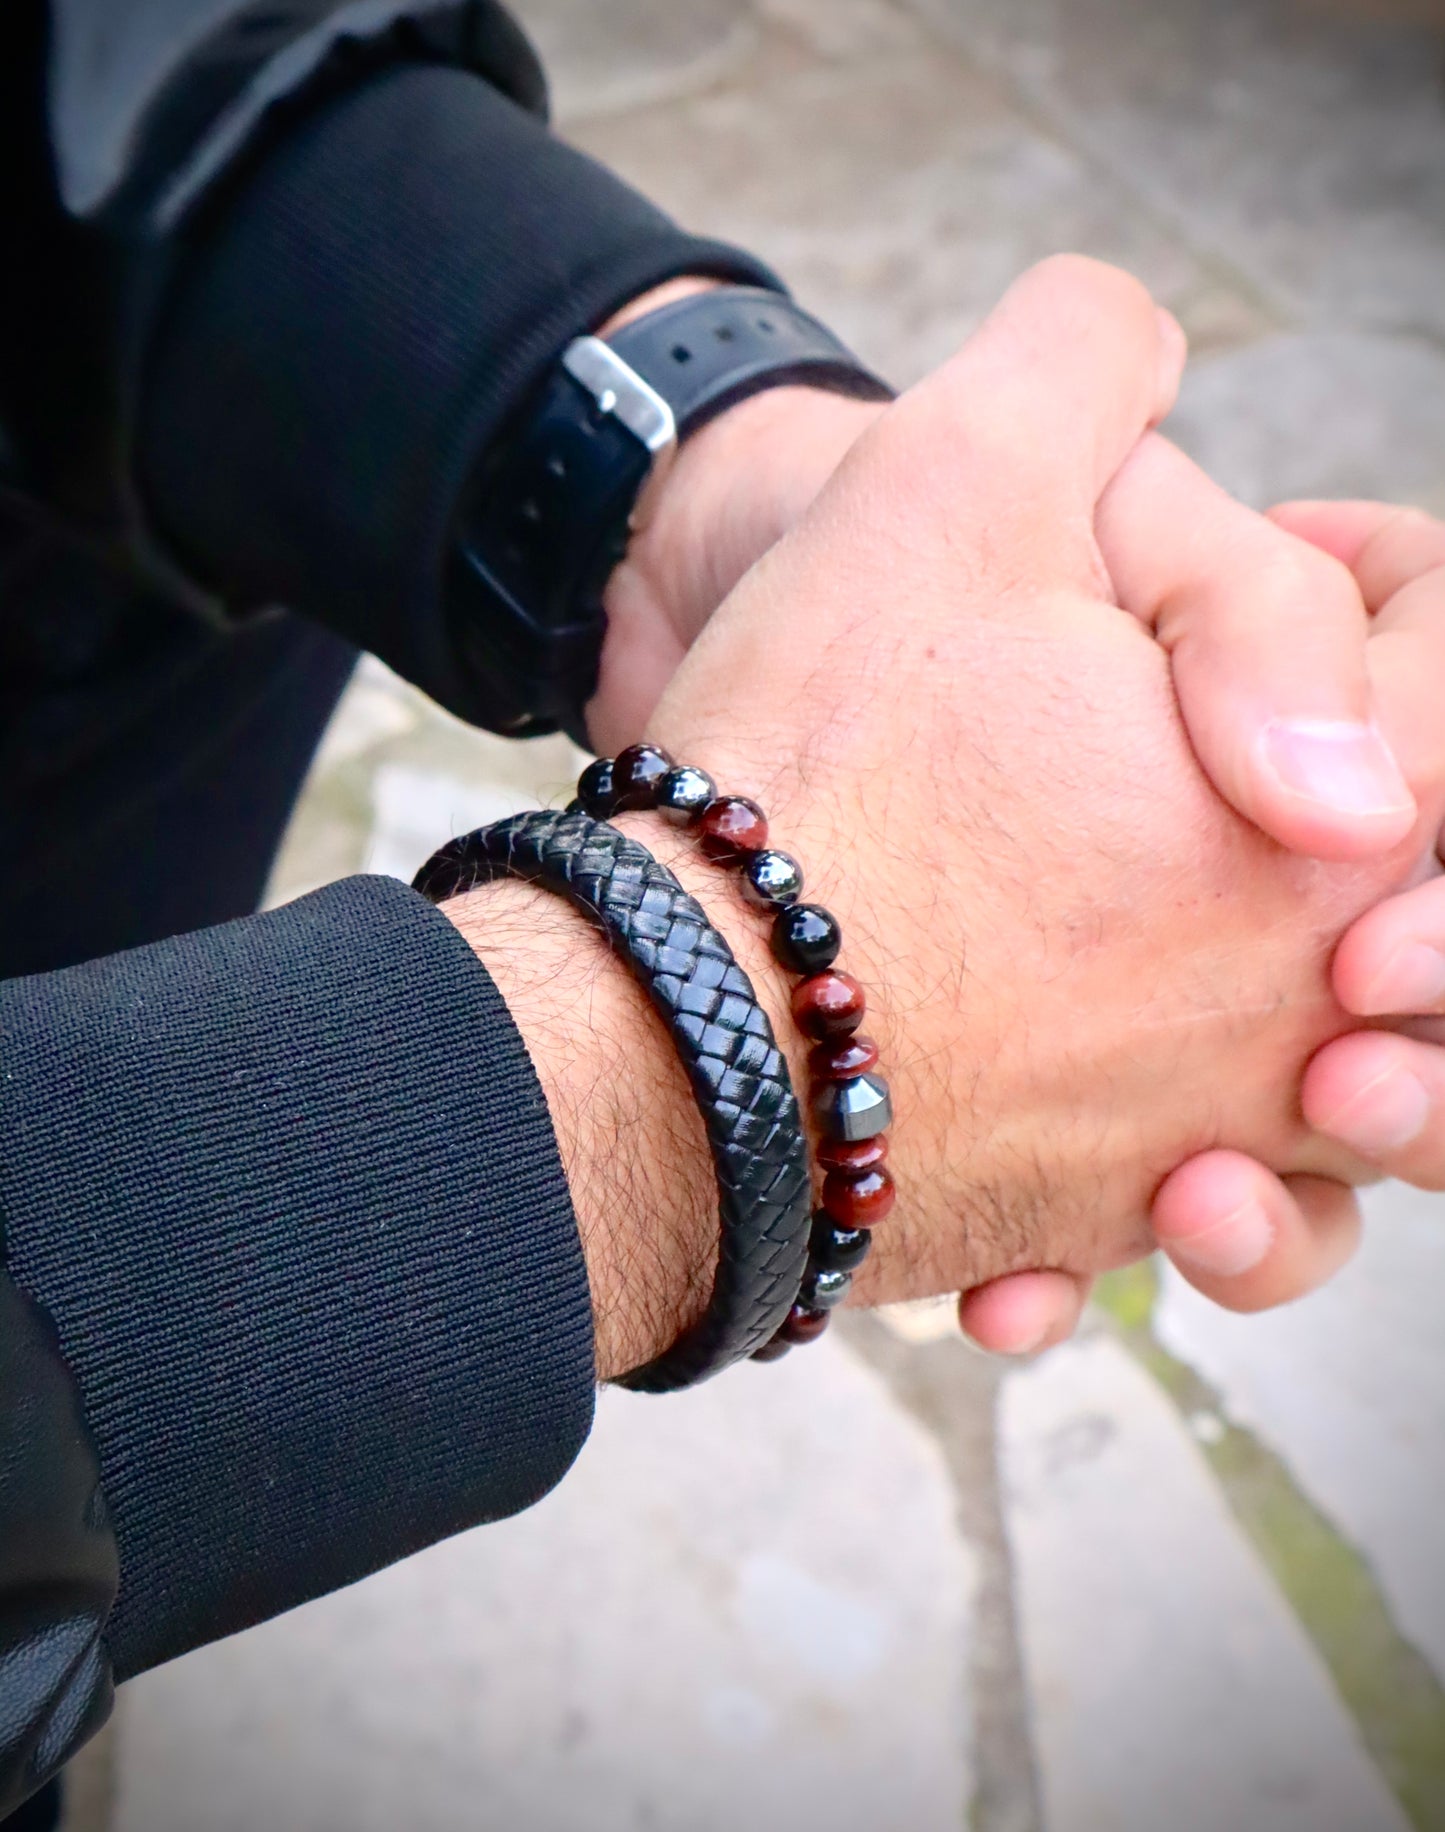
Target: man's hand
[1084,966]
[1088,968]
[1243,1236]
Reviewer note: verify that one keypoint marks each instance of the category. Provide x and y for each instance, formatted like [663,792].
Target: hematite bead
[842,1061]
[732,827]
[595,789]
[857,1109]
[684,792]
[828,1005]
[772,880]
[806,938]
[804,1325]
[771,1351]
[858,1200]
[637,775]
[859,1155]
[838,1249]
[823,1290]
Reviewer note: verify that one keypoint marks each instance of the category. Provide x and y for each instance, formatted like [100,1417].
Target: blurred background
[1186,1574]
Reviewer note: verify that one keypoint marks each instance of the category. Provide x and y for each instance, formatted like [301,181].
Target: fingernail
[1343,765]
[1232,1246]
[1388,1113]
[1412,980]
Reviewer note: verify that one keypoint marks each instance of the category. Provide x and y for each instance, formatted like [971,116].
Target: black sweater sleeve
[352,330]
[281,271]
[292,1283]
[287,1194]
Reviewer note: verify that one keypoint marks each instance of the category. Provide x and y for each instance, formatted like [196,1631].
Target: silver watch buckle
[619,390]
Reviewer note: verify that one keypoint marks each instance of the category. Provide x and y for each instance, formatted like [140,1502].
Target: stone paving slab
[1320,414]
[899,194]
[1348,1388]
[1300,144]
[605,58]
[1171,1686]
[722,1619]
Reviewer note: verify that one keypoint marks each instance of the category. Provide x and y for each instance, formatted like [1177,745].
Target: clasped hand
[1097,767]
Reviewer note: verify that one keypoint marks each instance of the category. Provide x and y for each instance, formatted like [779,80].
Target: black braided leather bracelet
[737,1071]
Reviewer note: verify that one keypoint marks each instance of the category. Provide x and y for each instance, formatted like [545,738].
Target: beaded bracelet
[850,1104]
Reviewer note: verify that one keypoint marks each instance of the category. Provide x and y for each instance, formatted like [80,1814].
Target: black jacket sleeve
[284,1218]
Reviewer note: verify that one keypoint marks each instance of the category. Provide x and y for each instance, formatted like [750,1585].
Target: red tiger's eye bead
[858,1201]
[637,774]
[842,1061]
[853,1154]
[803,1324]
[828,1005]
[774,1350]
[732,826]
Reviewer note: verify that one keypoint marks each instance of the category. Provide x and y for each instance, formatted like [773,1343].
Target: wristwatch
[546,516]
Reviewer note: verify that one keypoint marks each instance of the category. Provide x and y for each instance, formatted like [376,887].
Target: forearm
[628,1127]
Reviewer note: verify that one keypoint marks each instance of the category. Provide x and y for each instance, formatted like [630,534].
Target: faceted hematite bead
[637,775]
[857,1109]
[838,1249]
[828,1005]
[684,793]
[858,1200]
[772,880]
[804,1325]
[860,1155]
[841,1061]
[806,938]
[823,1290]
[731,827]
[595,789]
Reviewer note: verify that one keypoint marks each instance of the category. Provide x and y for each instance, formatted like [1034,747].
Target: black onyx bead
[772,880]
[595,790]
[806,938]
[823,1290]
[684,792]
[838,1249]
[638,774]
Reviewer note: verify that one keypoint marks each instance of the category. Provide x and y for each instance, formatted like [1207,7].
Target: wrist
[628,1129]
[738,485]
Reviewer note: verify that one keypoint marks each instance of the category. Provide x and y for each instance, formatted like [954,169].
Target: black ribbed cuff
[351,333]
[290,1193]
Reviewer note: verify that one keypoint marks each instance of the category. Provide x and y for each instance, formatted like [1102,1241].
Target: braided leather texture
[737,1071]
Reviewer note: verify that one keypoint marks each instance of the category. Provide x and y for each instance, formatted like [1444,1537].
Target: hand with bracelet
[1082,966]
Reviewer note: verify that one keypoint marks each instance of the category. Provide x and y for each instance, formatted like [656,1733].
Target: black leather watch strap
[705,353]
[545,519]
[737,1071]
